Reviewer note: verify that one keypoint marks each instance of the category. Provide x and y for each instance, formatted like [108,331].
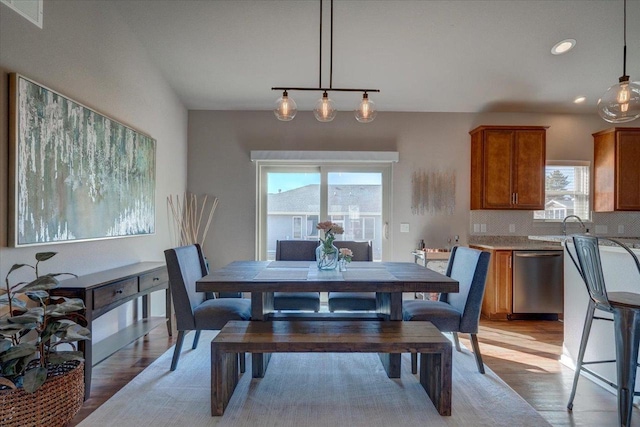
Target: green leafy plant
[30,334]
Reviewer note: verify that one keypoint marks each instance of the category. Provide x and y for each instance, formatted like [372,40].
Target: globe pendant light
[366,111]
[325,109]
[621,102]
[286,108]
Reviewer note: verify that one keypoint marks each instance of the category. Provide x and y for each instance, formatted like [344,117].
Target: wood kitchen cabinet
[498,293]
[508,167]
[616,156]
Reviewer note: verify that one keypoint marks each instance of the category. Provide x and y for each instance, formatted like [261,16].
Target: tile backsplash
[521,223]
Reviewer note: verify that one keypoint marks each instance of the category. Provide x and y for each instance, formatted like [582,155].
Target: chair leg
[414,363]
[476,351]
[178,349]
[243,365]
[583,346]
[456,341]
[627,330]
[196,338]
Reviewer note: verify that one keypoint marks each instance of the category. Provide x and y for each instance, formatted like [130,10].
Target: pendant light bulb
[366,111]
[621,102]
[286,108]
[325,109]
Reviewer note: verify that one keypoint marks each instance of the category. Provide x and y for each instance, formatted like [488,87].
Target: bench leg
[224,378]
[435,377]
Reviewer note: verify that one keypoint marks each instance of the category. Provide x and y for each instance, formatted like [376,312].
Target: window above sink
[566,191]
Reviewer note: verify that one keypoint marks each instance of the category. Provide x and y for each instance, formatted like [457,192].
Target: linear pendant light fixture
[325,110]
[621,102]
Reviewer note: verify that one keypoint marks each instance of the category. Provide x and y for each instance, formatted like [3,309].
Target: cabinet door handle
[516,198]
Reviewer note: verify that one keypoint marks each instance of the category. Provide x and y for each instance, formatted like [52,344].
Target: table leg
[261,307]
[146,306]
[390,304]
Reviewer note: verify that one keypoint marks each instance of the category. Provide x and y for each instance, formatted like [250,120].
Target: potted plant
[34,367]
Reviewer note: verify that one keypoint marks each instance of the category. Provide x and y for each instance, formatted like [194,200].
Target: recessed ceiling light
[580,99]
[563,46]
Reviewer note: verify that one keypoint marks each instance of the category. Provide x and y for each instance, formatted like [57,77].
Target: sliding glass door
[292,199]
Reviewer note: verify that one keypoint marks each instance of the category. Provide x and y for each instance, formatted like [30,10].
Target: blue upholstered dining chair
[296,250]
[354,301]
[194,312]
[456,312]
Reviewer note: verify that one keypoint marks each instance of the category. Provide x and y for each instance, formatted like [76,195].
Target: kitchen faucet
[564,223]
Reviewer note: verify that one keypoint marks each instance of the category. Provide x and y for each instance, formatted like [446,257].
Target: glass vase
[327,258]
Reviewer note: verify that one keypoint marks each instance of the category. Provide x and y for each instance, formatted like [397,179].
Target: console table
[105,290]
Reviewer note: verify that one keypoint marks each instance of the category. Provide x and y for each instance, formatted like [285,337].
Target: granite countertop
[513,243]
[519,246]
[632,242]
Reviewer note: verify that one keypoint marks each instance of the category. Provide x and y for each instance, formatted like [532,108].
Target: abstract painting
[433,192]
[76,174]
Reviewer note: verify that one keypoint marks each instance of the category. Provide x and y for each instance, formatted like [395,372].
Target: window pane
[566,193]
[297,227]
[291,197]
[352,197]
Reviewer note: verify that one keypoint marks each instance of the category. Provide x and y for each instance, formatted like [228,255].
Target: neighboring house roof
[305,199]
[561,203]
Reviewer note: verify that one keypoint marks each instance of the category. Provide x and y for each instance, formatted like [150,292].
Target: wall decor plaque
[75,174]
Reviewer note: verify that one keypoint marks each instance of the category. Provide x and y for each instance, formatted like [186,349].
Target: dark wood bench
[331,337]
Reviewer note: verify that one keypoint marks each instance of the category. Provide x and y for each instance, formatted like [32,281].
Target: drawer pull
[155,279]
[119,291]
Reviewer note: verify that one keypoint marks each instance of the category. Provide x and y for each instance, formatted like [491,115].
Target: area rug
[310,389]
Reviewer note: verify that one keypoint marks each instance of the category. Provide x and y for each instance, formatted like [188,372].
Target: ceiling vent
[30,9]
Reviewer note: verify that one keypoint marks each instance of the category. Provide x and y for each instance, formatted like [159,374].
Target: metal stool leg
[583,346]
[627,326]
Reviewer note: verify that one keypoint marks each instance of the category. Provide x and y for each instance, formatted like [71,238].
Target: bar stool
[625,308]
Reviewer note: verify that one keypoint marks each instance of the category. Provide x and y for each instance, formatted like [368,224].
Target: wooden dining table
[389,280]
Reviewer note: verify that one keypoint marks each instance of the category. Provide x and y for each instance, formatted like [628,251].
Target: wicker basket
[53,404]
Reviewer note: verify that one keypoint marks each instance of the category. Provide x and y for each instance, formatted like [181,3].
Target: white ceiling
[427,56]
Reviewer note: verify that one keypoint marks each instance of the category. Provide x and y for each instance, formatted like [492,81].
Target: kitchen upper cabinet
[508,167]
[616,156]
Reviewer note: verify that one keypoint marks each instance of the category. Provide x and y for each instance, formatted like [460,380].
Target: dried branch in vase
[188,215]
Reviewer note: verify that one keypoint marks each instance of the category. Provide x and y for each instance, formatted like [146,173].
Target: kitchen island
[620,274]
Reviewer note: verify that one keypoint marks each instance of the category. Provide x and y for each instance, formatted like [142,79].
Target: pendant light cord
[320,38]
[624,52]
[331,50]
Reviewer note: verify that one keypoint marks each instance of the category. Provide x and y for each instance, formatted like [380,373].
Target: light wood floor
[524,353]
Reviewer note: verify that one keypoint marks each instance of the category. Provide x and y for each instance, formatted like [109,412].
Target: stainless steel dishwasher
[538,283]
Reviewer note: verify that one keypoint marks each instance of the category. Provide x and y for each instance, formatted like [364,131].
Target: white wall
[85,52]
[220,143]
